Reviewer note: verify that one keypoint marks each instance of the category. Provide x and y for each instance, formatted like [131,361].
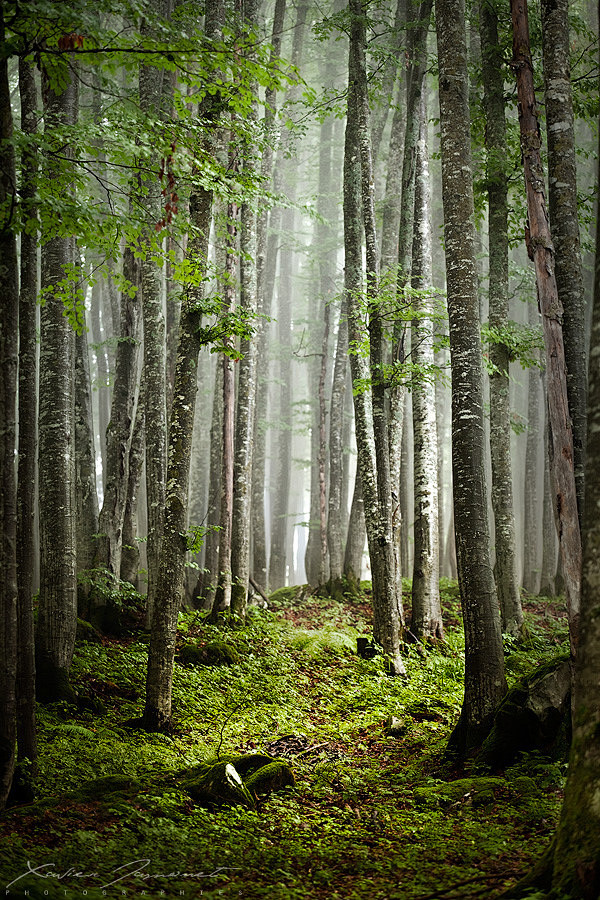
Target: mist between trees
[271,284]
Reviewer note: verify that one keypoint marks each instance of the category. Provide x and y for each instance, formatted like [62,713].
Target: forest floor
[369,815]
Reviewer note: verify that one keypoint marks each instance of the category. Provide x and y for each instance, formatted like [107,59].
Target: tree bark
[564,221]
[28,376]
[426,605]
[370,415]
[541,249]
[120,428]
[335,535]
[57,614]
[485,683]
[130,553]
[9,342]
[86,497]
[531,531]
[505,572]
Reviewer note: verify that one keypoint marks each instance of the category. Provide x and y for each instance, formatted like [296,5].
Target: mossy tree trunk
[485,683]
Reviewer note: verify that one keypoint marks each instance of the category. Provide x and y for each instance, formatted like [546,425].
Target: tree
[484,661]
[496,176]
[564,220]
[541,250]
[57,616]
[370,415]
[426,605]
[9,341]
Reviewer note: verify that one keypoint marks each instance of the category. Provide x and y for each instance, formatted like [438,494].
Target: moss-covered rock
[534,715]
[326,640]
[99,788]
[236,780]
[212,653]
[87,633]
[474,791]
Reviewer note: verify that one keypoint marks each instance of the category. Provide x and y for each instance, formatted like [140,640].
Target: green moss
[271,777]
[286,596]
[87,632]
[474,791]
[212,653]
[99,788]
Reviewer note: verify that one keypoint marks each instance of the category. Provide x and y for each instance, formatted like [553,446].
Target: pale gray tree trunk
[9,343]
[102,370]
[564,222]
[207,581]
[426,605]
[246,397]
[335,532]
[155,384]
[485,683]
[26,730]
[285,177]
[130,552]
[57,614]
[357,535]
[120,427]
[86,496]
[549,546]
[505,571]
[370,415]
[532,518]
[264,301]
[392,72]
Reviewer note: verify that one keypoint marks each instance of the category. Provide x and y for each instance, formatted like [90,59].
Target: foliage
[364,817]
[523,343]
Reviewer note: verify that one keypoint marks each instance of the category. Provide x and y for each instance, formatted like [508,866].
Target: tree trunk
[335,534]
[549,548]
[9,343]
[120,427]
[57,615]
[26,730]
[505,572]
[531,531]
[485,683]
[577,854]
[130,553]
[541,249]
[207,581]
[155,414]
[426,606]
[564,222]
[86,497]
[371,419]
[264,301]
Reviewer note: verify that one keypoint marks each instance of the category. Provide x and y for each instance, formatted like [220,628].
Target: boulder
[237,780]
[534,716]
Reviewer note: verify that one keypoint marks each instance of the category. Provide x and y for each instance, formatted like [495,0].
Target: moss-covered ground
[369,816]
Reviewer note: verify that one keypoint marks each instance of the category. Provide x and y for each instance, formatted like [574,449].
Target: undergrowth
[370,816]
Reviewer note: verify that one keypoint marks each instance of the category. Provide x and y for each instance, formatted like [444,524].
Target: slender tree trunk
[392,71]
[335,534]
[357,535]
[264,301]
[222,598]
[505,571]
[207,581]
[102,374]
[28,377]
[549,548]
[371,420]
[57,615]
[120,427]
[9,343]
[285,173]
[531,531]
[150,87]
[426,606]
[485,683]
[564,221]
[541,249]
[130,553]
[85,459]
